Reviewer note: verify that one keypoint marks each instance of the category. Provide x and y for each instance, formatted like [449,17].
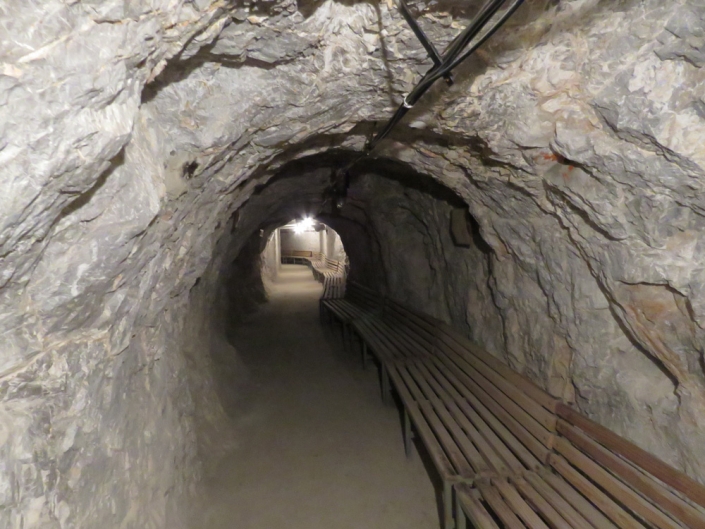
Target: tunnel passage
[412,240]
[144,145]
[314,445]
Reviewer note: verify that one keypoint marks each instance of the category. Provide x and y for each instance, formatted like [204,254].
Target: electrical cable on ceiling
[454,55]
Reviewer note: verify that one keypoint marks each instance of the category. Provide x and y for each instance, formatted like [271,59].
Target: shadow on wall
[240,292]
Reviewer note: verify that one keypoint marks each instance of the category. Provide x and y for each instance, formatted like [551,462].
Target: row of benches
[322,266]
[325,268]
[509,454]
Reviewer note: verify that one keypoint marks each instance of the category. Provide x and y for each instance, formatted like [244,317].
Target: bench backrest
[301,253]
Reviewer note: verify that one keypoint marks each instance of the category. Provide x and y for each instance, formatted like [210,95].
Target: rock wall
[143,145]
[306,241]
[271,257]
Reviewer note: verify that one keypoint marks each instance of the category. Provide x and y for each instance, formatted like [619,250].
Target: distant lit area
[304,240]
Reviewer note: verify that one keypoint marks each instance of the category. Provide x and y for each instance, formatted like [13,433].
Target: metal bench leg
[460,518]
[407,434]
[448,505]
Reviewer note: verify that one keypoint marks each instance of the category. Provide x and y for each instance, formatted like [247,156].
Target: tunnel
[544,202]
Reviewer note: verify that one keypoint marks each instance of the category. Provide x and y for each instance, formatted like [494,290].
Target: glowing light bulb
[303,225]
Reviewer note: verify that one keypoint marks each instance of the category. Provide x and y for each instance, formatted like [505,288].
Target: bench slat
[512,409]
[488,435]
[473,456]
[455,454]
[581,504]
[384,337]
[519,380]
[540,414]
[420,337]
[477,513]
[679,481]
[615,487]
[440,460]
[595,495]
[522,443]
[488,454]
[555,520]
[573,517]
[520,506]
[641,482]
[410,348]
[500,508]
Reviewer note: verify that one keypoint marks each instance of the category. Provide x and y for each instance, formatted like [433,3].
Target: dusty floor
[316,447]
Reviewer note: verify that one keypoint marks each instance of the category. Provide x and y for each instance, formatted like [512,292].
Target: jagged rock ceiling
[132,134]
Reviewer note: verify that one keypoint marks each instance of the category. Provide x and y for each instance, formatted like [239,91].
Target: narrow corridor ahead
[316,447]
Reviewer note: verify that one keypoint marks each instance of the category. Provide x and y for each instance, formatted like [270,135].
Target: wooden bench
[588,476]
[471,419]
[594,479]
[333,287]
[324,267]
[396,334]
[513,456]
[297,257]
[358,302]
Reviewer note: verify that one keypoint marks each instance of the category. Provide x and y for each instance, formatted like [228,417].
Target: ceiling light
[303,225]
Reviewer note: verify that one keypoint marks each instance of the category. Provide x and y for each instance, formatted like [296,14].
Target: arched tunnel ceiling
[137,142]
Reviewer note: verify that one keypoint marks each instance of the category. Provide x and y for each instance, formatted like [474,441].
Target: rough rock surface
[136,139]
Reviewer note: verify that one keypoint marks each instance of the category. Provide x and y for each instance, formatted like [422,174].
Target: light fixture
[303,225]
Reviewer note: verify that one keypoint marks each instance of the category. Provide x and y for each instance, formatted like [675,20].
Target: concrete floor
[316,447]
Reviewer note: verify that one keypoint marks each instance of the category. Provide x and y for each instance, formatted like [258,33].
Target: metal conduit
[454,55]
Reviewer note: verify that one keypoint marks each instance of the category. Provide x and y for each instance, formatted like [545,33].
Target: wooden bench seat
[358,302]
[324,267]
[606,490]
[564,497]
[513,456]
[535,500]
[606,484]
[466,424]
[333,288]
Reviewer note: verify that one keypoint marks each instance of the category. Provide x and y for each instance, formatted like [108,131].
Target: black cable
[460,42]
[421,36]
[507,14]
[450,61]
